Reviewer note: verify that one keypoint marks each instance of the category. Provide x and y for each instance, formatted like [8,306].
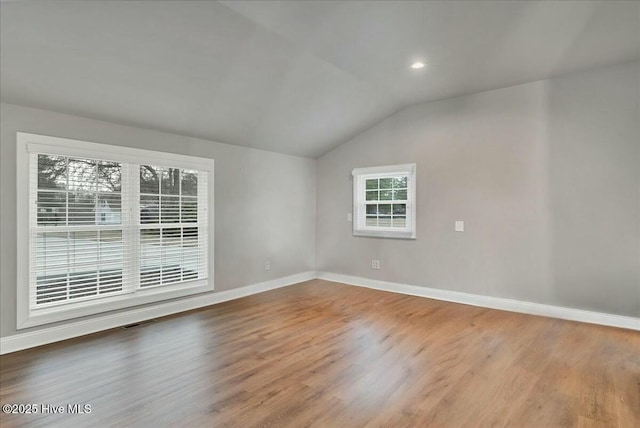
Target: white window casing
[384,201]
[89,240]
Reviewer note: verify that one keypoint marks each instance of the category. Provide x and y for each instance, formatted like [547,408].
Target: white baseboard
[489,302]
[69,330]
[79,328]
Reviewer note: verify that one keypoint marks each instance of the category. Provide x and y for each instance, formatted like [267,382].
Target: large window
[106,227]
[384,201]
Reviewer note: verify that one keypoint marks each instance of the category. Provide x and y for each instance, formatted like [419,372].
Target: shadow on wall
[593,139]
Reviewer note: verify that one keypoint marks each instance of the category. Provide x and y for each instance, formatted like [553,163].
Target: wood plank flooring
[329,355]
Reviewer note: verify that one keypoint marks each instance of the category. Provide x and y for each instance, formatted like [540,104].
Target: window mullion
[134,223]
[130,236]
[202,224]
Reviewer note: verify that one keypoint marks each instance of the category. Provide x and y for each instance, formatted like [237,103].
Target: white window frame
[360,175]
[27,144]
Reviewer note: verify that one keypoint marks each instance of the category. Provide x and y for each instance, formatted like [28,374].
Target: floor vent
[137,324]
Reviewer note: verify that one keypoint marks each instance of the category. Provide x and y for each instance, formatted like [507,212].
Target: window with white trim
[108,227]
[384,201]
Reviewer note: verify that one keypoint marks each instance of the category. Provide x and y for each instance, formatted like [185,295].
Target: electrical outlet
[267,265]
[459,226]
[375,264]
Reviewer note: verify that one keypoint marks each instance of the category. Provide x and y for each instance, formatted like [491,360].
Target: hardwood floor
[330,355]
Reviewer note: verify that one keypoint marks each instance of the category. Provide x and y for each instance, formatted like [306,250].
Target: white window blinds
[169,233]
[77,229]
[103,228]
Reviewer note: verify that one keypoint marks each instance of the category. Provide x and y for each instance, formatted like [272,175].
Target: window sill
[384,234]
[141,297]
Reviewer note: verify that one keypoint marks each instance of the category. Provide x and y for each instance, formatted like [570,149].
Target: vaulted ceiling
[292,77]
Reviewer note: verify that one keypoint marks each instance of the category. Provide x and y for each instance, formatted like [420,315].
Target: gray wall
[546,176]
[264,202]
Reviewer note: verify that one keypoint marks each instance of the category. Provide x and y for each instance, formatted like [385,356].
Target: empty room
[320,214]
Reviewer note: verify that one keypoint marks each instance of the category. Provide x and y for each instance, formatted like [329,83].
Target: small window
[384,201]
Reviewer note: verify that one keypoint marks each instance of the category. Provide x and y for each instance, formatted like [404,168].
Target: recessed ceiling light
[417,65]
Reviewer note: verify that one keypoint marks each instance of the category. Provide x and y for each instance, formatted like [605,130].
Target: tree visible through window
[75,257]
[386,201]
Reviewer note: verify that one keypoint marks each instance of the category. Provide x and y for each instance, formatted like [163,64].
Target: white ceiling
[292,77]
